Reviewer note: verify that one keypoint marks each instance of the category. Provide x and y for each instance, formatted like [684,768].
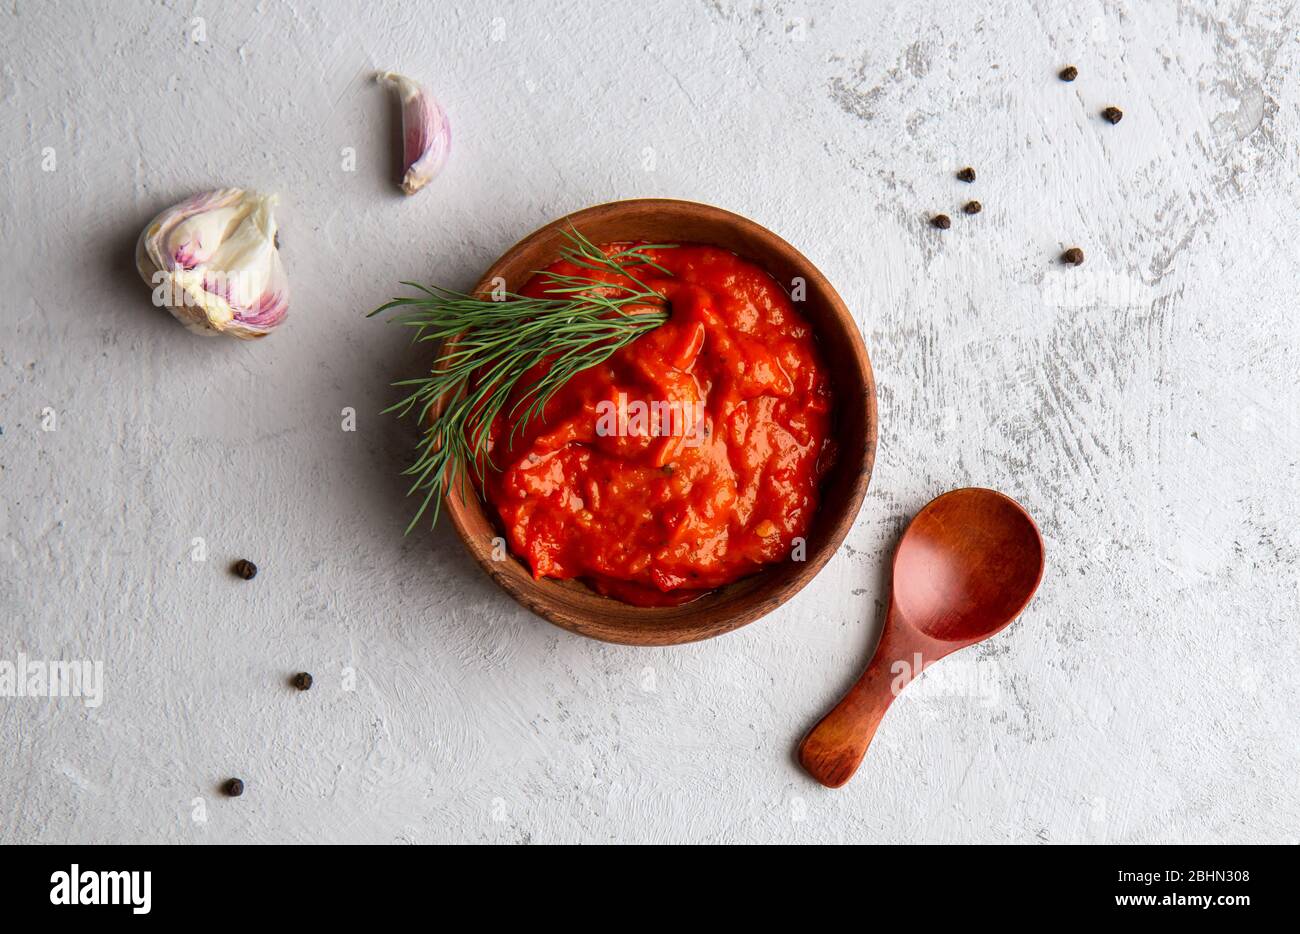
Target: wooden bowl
[572,605]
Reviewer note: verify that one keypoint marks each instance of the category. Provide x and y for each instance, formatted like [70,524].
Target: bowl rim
[532,593]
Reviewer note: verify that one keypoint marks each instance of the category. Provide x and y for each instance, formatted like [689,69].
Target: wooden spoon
[966,567]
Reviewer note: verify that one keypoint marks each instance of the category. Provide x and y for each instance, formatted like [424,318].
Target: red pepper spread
[692,457]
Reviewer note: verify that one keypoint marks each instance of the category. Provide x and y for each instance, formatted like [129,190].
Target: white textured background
[1144,408]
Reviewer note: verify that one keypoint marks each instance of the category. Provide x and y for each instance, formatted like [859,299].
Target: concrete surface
[1143,406]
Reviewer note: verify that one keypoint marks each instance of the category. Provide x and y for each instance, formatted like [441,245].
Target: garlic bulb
[426,135]
[214,262]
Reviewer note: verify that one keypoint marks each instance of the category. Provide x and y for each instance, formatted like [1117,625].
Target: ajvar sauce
[720,479]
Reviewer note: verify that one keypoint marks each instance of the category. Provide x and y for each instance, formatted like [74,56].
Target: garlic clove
[213,262]
[426,134]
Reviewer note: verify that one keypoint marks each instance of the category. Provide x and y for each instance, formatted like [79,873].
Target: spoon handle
[833,749]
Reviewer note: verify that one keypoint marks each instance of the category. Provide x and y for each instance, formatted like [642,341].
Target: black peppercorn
[1113,114]
[1073,256]
[967,174]
[972,207]
[234,788]
[245,569]
[942,221]
[1069,73]
[302,681]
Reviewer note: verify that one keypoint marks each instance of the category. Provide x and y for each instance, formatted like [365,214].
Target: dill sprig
[500,339]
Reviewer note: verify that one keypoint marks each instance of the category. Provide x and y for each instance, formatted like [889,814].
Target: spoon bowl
[968,565]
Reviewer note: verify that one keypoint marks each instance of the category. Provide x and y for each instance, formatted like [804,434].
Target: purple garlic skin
[213,262]
[426,134]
